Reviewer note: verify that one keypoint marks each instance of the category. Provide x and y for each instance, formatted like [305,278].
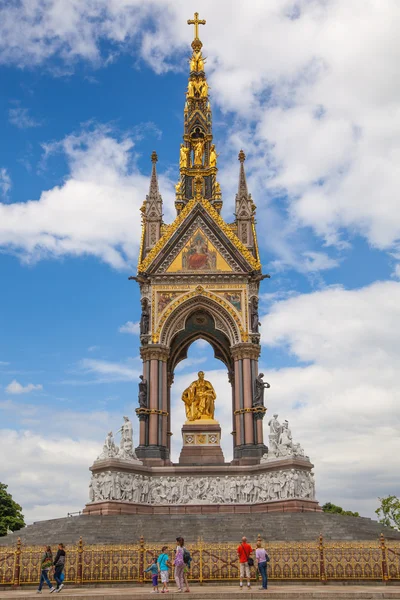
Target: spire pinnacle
[153,191]
[242,190]
[196,44]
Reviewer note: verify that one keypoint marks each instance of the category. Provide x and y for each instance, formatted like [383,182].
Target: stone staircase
[126,529]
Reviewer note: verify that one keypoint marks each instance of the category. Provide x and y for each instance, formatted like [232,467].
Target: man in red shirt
[244,550]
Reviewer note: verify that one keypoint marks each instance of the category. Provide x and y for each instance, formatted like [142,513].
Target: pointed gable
[199,227]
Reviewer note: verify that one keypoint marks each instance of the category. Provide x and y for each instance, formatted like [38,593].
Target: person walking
[245,561]
[262,559]
[59,563]
[45,565]
[163,568]
[187,559]
[153,568]
[179,564]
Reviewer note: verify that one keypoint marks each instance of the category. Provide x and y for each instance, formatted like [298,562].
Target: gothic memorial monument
[199,277]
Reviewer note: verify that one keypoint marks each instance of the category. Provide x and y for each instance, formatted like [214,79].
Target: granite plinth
[201,443]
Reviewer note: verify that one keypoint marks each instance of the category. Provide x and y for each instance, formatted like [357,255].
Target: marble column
[153,446]
[249,446]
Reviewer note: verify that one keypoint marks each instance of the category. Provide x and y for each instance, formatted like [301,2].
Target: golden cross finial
[196,22]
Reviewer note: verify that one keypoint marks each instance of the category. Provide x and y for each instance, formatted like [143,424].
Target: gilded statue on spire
[198,148]
[197,62]
[183,156]
[213,156]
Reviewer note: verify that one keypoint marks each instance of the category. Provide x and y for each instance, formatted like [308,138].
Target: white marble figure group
[265,487]
[125,450]
[280,442]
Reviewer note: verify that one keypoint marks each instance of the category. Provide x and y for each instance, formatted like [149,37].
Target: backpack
[186,556]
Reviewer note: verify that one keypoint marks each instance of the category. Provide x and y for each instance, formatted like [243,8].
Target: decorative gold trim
[255,409]
[253,228]
[151,411]
[170,230]
[200,291]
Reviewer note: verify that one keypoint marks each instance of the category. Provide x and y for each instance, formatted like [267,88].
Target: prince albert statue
[199,399]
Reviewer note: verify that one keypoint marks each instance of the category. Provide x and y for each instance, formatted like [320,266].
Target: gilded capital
[154,352]
[246,350]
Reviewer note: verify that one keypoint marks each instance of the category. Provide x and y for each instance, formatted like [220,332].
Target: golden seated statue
[199,399]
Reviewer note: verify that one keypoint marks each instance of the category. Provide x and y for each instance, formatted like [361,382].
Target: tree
[389,512]
[328,507]
[11,516]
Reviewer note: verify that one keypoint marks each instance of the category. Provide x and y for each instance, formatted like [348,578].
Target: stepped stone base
[125,529]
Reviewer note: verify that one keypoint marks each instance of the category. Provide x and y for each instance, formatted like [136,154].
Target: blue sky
[85,97]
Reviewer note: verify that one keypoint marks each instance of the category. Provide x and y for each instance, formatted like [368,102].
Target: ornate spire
[152,210]
[242,190]
[154,194]
[244,208]
[197,156]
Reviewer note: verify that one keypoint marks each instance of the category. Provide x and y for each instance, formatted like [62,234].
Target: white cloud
[343,401]
[5,182]
[130,327]
[17,388]
[20,118]
[110,371]
[48,472]
[190,362]
[93,212]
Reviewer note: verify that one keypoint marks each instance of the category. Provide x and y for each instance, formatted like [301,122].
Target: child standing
[153,568]
[163,567]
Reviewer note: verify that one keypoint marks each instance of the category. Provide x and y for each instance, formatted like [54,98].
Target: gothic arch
[199,325]
[223,316]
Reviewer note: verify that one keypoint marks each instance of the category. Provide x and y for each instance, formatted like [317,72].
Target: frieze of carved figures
[281,444]
[264,487]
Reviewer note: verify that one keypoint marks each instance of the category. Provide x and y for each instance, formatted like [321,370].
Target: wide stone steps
[222,528]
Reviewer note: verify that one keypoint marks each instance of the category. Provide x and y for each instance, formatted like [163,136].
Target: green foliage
[11,516]
[389,512]
[328,507]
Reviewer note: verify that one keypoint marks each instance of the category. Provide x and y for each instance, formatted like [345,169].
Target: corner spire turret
[197,156]
[151,212]
[245,210]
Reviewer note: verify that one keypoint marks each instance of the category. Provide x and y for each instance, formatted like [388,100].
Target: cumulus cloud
[130,327]
[342,399]
[93,212]
[17,388]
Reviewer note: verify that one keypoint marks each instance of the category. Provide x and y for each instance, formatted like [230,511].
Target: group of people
[160,566]
[47,563]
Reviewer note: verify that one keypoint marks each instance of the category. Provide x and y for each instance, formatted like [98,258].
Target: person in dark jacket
[45,565]
[59,563]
